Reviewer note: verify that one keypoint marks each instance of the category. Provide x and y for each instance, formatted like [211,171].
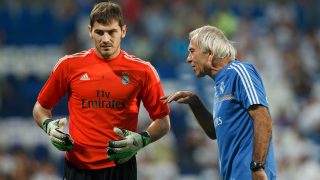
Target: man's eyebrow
[108,30]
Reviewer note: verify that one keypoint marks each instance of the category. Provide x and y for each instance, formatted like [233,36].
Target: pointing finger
[163,97]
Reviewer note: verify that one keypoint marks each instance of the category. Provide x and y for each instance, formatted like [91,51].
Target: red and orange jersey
[102,94]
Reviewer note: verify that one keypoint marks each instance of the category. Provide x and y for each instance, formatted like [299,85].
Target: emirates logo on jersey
[103,100]
[125,79]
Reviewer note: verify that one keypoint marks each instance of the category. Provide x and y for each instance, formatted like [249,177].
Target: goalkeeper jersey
[237,87]
[102,94]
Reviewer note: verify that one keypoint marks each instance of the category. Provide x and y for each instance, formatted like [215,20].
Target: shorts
[126,171]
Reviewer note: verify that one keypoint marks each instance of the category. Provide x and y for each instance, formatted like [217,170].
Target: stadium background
[281,38]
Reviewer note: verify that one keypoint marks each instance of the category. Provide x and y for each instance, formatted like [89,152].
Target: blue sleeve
[248,86]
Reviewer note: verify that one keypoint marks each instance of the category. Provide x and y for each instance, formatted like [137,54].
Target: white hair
[212,39]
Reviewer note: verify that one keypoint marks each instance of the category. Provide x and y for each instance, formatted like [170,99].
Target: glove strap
[146,138]
[45,124]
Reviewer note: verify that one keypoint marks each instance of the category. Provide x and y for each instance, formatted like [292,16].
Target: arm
[158,128]
[54,128]
[203,116]
[262,134]
[40,114]
[121,151]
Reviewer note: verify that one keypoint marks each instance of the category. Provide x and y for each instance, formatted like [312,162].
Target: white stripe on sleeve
[246,80]
[251,83]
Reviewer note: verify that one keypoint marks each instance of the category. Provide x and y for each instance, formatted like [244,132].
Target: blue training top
[237,87]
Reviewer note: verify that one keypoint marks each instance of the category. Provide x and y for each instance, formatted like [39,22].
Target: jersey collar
[108,60]
[222,71]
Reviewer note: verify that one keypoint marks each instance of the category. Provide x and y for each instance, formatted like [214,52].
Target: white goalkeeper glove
[54,128]
[121,151]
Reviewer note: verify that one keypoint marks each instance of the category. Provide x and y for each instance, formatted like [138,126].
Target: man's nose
[106,37]
[188,60]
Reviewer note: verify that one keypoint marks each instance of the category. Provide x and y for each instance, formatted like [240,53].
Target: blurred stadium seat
[281,38]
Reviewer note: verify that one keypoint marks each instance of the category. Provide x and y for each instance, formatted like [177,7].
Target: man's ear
[211,57]
[123,31]
[89,31]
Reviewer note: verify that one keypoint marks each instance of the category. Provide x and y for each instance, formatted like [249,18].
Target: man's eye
[112,32]
[99,32]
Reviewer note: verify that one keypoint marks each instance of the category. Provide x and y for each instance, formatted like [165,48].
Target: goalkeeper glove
[54,128]
[122,150]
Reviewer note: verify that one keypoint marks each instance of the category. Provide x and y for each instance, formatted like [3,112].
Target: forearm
[203,116]
[40,114]
[262,133]
[158,128]
[262,137]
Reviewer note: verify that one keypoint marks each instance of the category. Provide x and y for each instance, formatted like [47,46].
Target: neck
[111,56]
[218,64]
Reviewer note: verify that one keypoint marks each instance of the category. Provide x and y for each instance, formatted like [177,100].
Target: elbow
[35,110]
[211,132]
[162,125]
[212,136]
[166,126]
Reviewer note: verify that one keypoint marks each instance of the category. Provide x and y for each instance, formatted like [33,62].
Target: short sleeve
[249,89]
[151,94]
[56,86]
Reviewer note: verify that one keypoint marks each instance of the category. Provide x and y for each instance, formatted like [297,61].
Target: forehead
[193,44]
[112,25]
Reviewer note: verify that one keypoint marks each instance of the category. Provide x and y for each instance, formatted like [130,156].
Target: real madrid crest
[221,87]
[125,79]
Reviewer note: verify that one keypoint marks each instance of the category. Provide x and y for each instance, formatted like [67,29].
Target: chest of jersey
[226,109]
[102,85]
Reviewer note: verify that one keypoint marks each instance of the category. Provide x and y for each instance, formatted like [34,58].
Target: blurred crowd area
[281,38]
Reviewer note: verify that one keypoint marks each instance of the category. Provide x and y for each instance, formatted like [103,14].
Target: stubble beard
[106,54]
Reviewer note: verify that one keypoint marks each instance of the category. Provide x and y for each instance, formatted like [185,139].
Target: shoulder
[135,60]
[67,59]
[139,63]
[241,69]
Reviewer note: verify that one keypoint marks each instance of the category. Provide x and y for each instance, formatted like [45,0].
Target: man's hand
[122,150]
[184,97]
[54,128]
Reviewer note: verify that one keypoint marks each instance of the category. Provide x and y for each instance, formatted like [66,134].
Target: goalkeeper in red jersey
[105,87]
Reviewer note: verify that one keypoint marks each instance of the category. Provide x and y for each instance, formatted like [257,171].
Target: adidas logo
[84,77]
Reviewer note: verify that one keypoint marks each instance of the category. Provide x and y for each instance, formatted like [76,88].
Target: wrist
[45,123]
[146,138]
[194,100]
[255,166]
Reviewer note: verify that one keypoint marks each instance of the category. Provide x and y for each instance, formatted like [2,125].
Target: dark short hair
[105,12]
